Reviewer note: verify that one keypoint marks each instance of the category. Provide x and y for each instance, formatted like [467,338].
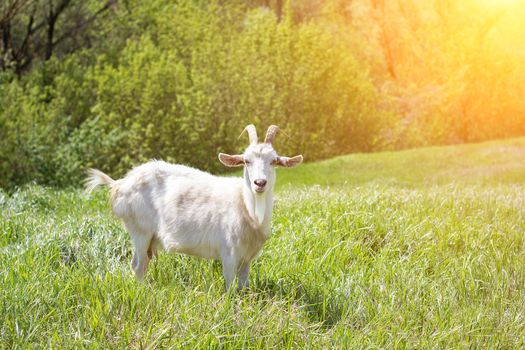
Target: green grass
[416,249]
[491,163]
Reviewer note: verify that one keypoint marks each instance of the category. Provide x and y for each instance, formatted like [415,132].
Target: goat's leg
[152,249]
[243,276]
[141,243]
[229,266]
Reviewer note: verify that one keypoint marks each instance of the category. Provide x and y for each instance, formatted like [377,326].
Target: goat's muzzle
[260,185]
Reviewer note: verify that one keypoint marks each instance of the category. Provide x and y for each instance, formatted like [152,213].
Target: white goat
[189,211]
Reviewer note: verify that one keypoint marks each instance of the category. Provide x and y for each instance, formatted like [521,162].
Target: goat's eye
[246,161]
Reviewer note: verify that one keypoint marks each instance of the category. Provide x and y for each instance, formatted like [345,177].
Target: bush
[188,105]
[183,92]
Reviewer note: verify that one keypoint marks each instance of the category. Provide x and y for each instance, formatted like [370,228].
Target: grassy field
[416,249]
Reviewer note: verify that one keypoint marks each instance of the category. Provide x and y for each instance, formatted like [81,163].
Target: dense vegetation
[114,83]
[416,249]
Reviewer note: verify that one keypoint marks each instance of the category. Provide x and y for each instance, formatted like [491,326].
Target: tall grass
[382,263]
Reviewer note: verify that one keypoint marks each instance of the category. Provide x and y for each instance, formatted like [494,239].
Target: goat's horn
[270,134]
[252,133]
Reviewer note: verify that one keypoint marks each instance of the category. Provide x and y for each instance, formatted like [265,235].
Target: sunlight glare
[498,4]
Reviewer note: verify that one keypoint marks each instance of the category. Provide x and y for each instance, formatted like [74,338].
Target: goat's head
[259,160]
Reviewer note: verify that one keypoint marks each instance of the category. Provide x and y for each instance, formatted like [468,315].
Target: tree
[37,29]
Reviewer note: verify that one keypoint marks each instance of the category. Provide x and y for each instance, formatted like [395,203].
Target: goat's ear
[288,162]
[231,161]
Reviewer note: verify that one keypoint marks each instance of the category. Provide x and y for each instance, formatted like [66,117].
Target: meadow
[421,248]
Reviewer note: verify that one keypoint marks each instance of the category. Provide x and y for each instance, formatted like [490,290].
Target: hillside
[501,161]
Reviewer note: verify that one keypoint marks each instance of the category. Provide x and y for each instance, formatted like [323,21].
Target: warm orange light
[509,24]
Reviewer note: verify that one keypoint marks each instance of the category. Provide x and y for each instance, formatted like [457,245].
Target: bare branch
[83,25]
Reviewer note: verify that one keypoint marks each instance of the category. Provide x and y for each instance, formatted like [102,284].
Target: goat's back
[146,185]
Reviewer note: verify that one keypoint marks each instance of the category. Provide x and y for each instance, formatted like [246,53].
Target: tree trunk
[279,9]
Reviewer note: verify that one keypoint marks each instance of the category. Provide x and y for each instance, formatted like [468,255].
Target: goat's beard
[260,207]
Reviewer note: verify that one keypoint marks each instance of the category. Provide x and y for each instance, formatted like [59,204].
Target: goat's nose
[260,183]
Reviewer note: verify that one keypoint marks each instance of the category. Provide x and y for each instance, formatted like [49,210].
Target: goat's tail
[97,178]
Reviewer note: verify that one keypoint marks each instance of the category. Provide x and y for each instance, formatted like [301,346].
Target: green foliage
[187,105]
[49,134]
[178,80]
[183,91]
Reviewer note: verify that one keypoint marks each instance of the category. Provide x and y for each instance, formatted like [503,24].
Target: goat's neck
[259,206]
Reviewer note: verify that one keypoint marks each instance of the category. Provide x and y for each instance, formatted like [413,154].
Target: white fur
[185,210]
